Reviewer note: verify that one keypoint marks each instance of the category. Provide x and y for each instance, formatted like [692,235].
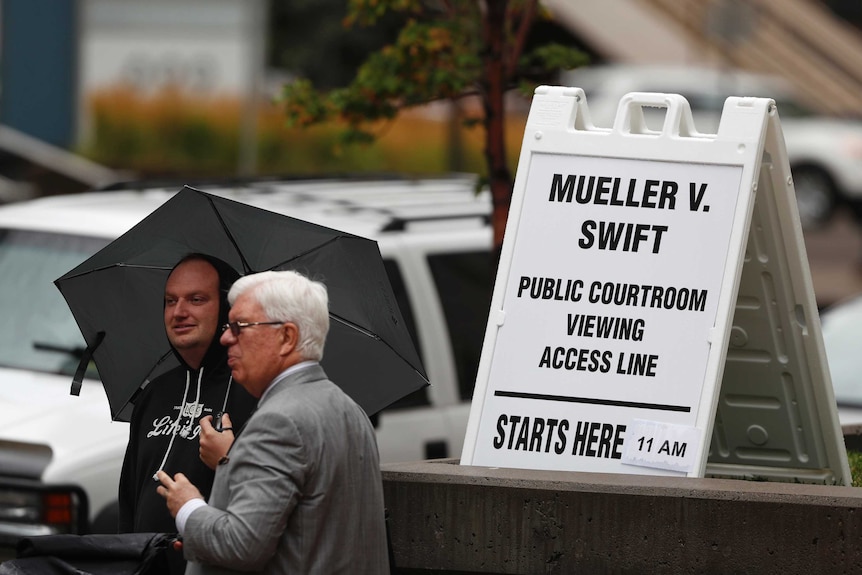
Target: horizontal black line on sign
[592,400]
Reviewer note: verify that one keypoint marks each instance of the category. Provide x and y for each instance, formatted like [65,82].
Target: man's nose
[226,338]
[180,308]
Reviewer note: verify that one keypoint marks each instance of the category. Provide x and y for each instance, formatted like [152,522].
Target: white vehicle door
[443,286]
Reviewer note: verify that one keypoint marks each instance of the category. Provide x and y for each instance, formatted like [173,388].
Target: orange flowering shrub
[172,134]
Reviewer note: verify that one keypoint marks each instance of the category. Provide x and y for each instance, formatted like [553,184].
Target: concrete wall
[448,518]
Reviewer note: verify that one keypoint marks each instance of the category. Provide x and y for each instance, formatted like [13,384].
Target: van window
[39,332]
[418,398]
[464,283]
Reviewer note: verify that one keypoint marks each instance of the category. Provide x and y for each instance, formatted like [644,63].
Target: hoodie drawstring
[176,425]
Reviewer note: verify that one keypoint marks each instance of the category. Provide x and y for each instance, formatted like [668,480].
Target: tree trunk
[493,87]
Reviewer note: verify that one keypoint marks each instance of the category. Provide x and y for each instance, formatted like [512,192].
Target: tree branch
[528,15]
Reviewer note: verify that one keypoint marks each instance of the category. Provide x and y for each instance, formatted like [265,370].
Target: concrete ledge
[444,517]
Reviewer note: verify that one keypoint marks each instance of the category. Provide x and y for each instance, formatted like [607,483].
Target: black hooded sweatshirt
[164,432]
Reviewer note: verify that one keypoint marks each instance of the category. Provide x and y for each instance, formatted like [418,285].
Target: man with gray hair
[300,490]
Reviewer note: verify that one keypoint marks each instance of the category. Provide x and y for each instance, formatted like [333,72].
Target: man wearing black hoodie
[165,432]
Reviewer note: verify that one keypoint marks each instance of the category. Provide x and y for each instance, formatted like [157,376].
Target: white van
[60,455]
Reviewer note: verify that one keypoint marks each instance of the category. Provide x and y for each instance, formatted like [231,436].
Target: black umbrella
[94,554]
[116,295]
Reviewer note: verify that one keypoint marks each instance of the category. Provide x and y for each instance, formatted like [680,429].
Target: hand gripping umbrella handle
[82,365]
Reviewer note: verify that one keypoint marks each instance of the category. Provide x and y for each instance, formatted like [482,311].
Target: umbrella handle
[82,365]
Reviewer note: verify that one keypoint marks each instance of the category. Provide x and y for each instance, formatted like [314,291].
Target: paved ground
[835,258]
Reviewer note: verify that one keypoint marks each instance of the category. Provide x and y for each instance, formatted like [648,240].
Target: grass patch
[854,458]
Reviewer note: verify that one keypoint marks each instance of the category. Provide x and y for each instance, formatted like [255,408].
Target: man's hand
[177,491]
[214,444]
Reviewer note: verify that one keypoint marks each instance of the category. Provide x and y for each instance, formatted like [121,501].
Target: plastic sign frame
[614,303]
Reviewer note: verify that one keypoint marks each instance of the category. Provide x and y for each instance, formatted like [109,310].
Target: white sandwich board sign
[653,311]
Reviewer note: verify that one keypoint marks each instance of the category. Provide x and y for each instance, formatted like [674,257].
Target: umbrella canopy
[117,295]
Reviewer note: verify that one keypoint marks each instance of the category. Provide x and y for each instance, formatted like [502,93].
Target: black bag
[97,554]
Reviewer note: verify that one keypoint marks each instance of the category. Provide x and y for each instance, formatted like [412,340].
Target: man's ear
[290,338]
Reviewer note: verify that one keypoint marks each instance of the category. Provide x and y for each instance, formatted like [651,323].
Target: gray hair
[291,297]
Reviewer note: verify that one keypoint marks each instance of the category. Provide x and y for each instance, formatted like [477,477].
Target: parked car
[842,337]
[825,153]
[60,456]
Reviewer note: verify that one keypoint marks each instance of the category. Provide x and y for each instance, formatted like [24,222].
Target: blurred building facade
[55,53]
[816,45]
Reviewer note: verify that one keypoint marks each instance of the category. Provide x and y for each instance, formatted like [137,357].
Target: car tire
[815,196]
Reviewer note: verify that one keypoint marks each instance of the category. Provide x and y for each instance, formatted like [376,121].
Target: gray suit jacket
[301,492]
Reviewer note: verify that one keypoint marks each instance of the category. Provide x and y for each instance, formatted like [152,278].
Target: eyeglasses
[236,326]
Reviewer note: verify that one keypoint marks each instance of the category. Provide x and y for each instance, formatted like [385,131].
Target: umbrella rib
[117,265]
[310,250]
[364,331]
[146,380]
[358,328]
[245,267]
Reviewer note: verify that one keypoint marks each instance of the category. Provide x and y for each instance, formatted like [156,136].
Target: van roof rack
[388,203]
[399,223]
